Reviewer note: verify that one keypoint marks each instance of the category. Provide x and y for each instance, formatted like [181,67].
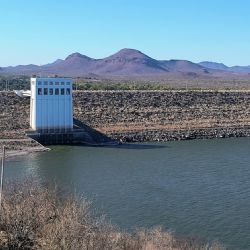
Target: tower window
[67,91]
[39,91]
[56,91]
[62,91]
[50,91]
[45,91]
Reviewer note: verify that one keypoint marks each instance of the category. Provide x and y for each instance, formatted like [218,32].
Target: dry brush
[35,217]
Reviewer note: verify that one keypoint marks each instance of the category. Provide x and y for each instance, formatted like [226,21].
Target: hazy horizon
[41,32]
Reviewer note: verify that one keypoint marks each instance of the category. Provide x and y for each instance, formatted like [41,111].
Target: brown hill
[125,63]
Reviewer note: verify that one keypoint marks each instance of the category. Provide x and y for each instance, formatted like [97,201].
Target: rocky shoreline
[179,135]
[139,116]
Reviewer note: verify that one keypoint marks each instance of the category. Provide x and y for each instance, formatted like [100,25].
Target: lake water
[195,188]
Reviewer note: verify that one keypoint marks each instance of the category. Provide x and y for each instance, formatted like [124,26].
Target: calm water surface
[195,188]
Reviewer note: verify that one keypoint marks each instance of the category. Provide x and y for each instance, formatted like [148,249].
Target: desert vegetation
[36,217]
[161,84]
[12,82]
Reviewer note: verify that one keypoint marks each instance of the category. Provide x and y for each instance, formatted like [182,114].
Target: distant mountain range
[223,67]
[126,63]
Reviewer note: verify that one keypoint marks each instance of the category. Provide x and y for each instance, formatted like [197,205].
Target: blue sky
[40,31]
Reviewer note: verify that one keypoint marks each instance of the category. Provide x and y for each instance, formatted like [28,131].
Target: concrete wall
[51,109]
[146,115]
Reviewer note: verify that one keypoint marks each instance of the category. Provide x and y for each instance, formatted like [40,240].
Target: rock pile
[145,115]
[14,115]
[165,115]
